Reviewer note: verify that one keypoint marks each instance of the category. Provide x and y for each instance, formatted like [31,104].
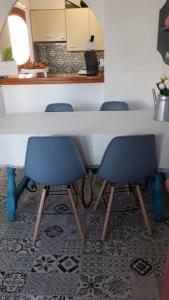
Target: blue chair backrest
[59,107]
[129,159]
[53,160]
[114,105]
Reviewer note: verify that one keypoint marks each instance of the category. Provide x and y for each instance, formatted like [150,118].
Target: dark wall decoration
[163,32]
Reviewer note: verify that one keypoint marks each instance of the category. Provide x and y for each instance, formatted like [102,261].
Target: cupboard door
[97,31]
[48,25]
[47,4]
[77,27]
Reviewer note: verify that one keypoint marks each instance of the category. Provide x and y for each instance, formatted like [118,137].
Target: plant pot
[8,68]
[161,109]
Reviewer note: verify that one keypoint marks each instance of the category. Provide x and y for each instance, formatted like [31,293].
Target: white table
[92,130]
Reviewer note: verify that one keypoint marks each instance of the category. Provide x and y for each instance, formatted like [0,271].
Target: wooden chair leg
[128,189]
[144,212]
[100,194]
[108,212]
[79,197]
[42,201]
[76,214]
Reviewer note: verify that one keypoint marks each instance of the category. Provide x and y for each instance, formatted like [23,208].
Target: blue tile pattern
[58,59]
[59,266]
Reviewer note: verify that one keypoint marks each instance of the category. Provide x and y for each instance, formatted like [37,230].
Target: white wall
[34,98]
[132,63]
[97,6]
[5,41]
[5,7]
[2,103]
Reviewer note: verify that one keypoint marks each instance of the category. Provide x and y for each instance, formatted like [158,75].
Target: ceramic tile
[56,264]
[117,286]
[12,282]
[59,266]
[51,284]
[58,246]
[58,59]
[144,288]
[91,286]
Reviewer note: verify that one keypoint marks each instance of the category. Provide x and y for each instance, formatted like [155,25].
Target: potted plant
[163,86]
[8,66]
[8,56]
[161,102]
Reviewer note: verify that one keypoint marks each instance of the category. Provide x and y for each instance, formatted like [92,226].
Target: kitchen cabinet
[96,30]
[81,23]
[48,25]
[49,4]
[77,28]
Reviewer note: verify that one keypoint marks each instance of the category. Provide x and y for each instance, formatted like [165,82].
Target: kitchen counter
[34,94]
[51,79]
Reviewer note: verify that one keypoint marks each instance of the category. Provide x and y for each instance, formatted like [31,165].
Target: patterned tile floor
[127,266]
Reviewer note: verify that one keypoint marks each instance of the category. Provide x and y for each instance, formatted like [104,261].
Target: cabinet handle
[48,37]
[73,47]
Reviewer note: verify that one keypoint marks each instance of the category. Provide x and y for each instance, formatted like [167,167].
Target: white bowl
[34,71]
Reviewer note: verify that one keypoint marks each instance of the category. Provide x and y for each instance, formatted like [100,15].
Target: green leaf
[8,54]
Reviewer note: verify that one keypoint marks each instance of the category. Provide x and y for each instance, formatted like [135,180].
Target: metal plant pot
[161,108]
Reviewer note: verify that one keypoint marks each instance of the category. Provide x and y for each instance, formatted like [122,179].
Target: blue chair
[114,105]
[127,159]
[53,161]
[58,107]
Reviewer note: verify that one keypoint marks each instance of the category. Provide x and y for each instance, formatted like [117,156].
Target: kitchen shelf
[52,79]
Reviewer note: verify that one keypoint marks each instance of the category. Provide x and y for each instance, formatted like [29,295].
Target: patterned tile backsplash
[58,59]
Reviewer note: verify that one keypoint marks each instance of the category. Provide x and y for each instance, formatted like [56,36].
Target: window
[19,38]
